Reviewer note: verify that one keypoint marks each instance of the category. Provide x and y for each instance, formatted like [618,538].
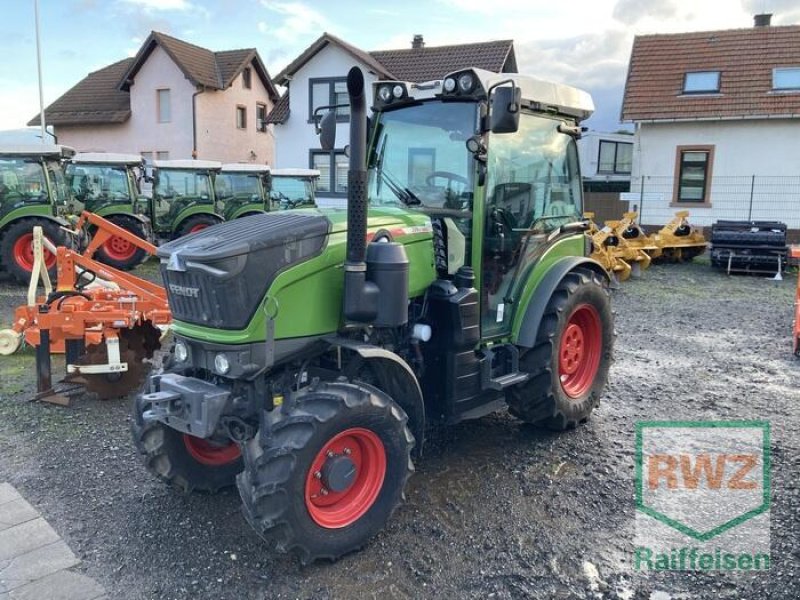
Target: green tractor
[183,199]
[242,190]
[109,185]
[312,347]
[293,188]
[32,192]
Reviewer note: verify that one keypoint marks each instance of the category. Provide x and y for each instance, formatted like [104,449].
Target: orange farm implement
[795,254]
[107,322]
[678,240]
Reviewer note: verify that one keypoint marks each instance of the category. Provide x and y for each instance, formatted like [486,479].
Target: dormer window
[247,78]
[786,78]
[701,82]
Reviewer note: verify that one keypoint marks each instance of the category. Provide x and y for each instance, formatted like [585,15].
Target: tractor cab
[293,188]
[33,191]
[183,199]
[242,190]
[106,183]
[492,159]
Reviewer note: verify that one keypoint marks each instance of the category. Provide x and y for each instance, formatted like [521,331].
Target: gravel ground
[496,509]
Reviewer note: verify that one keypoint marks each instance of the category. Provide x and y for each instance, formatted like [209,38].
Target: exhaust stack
[360,303]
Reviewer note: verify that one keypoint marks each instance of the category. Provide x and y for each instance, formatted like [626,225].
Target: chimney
[762,20]
[417,42]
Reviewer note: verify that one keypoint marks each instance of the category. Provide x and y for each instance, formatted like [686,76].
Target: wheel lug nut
[347,451]
[330,454]
[317,474]
[323,491]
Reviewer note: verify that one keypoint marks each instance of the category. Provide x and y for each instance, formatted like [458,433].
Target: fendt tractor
[242,190]
[293,188]
[32,192]
[312,347]
[109,185]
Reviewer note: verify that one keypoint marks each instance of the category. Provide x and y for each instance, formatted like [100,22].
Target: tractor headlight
[398,91]
[181,352]
[466,82]
[449,84]
[385,93]
[221,364]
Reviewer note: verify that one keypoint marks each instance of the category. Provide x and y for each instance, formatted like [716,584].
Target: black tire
[136,257]
[543,398]
[23,227]
[166,455]
[278,462]
[186,227]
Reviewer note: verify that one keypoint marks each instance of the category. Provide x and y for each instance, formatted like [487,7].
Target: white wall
[217,135]
[766,149]
[295,138]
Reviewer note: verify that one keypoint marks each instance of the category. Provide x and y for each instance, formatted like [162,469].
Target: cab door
[532,188]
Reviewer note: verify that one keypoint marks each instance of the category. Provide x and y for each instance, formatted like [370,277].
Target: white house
[717,117]
[317,78]
[173,100]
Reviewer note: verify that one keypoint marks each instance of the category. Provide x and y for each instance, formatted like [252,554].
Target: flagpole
[39,68]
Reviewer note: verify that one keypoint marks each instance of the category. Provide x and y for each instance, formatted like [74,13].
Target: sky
[586,43]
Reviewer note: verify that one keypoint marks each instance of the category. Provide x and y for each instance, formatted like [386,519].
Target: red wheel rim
[579,351]
[198,227]
[119,248]
[23,253]
[367,466]
[210,454]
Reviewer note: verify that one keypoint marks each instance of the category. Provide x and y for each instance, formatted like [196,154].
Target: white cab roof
[107,158]
[245,168]
[53,150]
[187,164]
[295,173]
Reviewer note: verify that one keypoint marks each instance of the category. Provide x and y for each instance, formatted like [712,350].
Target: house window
[701,82]
[164,109]
[328,92]
[693,174]
[162,155]
[332,167]
[241,117]
[615,157]
[247,78]
[261,117]
[147,156]
[786,78]
[421,165]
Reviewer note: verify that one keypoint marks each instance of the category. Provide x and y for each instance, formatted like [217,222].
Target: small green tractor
[32,192]
[293,188]
[109,185]
[312,347]
[242,190]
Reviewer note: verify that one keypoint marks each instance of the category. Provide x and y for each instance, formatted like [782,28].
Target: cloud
[785,12]
[160,5]
[297,20]
[631,12]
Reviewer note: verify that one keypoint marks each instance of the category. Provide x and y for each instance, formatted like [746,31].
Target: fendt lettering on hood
[183,290]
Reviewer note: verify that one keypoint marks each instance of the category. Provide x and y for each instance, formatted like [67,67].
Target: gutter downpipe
[200,90]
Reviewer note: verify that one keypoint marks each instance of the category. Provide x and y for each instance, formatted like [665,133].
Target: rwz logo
[183,290]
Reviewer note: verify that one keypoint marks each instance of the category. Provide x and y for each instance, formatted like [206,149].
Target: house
[172,100]
[717,118]
[317,78]
[606,161]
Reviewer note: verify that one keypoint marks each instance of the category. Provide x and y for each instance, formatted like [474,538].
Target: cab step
[513,376]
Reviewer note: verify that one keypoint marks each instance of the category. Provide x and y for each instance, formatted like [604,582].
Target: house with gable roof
[717,118]
[173,100]
[317,78]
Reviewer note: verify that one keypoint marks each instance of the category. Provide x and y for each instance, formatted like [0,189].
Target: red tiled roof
[744,57]
[280,112]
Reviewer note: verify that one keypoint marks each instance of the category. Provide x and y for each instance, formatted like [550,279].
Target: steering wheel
[451,177]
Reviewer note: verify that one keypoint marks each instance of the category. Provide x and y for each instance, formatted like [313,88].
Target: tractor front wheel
[195,224]
[569,363]
[328,471]
[118,252]
[16,247]
[183,461]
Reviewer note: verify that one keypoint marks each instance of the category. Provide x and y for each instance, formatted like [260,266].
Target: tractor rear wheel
[185,462]
[569,362]
[16,247]
[328,471]
[118,252]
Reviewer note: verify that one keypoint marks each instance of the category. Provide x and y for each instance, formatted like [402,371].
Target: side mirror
[327,131]
[504,109]
[267,181]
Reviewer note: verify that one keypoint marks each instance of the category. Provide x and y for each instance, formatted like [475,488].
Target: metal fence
[739,198]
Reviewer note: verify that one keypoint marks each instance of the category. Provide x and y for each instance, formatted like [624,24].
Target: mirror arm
[318,118]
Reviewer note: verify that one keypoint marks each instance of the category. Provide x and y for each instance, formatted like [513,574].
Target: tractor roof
[295,172]
[107,158]
[204,165]
[544,95]
[244,168]
[49,150]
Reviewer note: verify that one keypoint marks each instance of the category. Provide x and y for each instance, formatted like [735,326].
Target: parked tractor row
[49,186]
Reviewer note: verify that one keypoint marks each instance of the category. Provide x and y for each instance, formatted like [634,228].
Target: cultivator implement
[678,240]
[613,252]
[106,321]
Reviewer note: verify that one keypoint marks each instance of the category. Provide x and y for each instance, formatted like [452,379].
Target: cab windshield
[97,183]
[22,181]
[290,192]
[420,157]
[179,183]
[238,186]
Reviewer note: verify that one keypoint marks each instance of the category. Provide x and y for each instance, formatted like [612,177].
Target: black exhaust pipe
[360,303]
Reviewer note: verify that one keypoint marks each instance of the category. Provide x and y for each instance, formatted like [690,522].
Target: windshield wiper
[405,195]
